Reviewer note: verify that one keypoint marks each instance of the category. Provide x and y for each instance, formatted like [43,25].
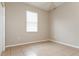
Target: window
[31,21]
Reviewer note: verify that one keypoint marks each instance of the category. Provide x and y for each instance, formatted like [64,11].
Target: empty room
[39,28]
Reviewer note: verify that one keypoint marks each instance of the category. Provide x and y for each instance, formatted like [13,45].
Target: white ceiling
[45,5]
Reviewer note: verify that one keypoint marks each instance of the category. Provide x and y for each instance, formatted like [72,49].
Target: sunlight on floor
[31,54]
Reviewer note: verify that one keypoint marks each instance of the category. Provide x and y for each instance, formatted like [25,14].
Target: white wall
[16,24]
[2,28]
[65,23]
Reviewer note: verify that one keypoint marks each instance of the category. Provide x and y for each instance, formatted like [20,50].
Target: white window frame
[30,21]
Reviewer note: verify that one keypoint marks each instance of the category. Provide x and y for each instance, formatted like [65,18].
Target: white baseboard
[25,43]
[66,44]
